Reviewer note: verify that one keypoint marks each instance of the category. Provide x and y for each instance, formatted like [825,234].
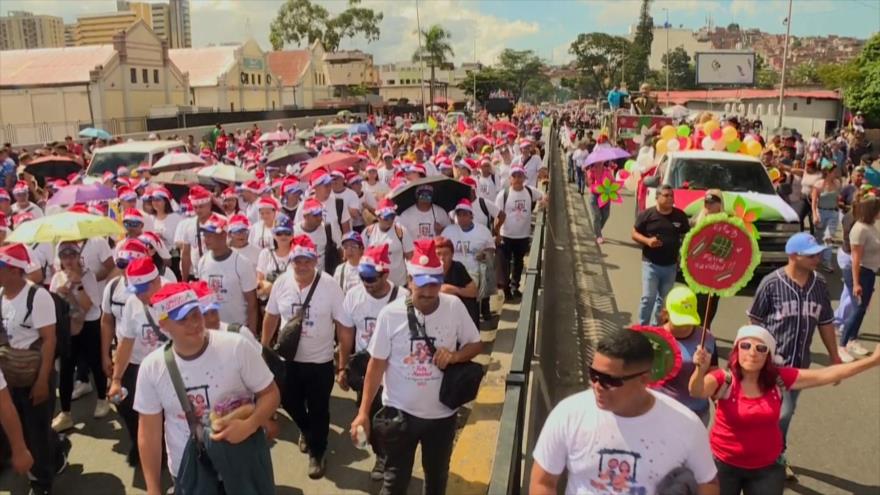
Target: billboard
[725,68]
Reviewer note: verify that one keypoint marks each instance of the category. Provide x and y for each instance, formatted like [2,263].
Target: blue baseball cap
[427,279]
[138,288]
[803,244]
[368,271]
[180,313]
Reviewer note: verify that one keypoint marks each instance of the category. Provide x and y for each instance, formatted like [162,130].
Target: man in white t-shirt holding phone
[621,436]
[412,374]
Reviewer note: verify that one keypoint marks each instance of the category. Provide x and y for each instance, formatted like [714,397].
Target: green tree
[301,21]
[636,62]
[435,47]
[488,79]
[765,77]
[805,74]
[863,93]
[599,58]
[838,76]
[682,74]
[520,67]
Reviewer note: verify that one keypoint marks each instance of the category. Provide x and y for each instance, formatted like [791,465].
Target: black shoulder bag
[356,367]
[461,381]
[288,337]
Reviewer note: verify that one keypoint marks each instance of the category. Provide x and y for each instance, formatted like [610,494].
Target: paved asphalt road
[835,434]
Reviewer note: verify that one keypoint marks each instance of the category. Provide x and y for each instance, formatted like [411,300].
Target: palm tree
[434,51]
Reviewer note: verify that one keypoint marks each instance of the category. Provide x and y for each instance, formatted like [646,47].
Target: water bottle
[361,438]
[116,399]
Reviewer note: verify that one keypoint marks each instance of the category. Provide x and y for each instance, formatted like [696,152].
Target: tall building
[156,15]
[21,30]
[70,34]
[179,22]
[98,29]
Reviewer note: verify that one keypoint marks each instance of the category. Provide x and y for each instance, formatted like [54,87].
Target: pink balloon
[719,145]
[716,134]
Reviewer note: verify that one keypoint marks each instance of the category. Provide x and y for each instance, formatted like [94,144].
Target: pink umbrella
[335,160]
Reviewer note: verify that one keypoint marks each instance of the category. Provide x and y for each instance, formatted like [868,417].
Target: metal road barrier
[515,437]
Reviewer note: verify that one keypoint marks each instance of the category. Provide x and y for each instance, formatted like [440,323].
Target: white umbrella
[274,136]
[177,161]
[227,173]
[677,111]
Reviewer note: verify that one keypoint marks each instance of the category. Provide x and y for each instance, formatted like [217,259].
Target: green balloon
[684,130]
[734,145]
[628,166]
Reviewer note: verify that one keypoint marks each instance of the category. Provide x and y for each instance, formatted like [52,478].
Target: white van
[130,154]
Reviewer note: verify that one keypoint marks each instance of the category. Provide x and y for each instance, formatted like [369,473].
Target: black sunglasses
[132,225]
[761,348]
[369,280]
[609,381]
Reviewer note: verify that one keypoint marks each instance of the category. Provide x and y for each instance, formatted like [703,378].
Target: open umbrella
[181,177]
[604,154]
[70,195]
[52,167]
[362,128]
[344,113]
[421,126]
[92,132]
[177,161]
[305,134]
[478,141]
[335,160]
[504,126]
[333,130]
[64,227]
[287,154]
[677,111]
[447,192]
[226,173]
[274,136]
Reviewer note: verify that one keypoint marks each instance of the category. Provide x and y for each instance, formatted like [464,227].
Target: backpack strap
[393,295]
[340,204]
[416,329]
[29,302]
[195,424]
[485,210]
[399,231]
[234,327]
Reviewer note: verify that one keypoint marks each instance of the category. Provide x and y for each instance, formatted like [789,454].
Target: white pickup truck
[691,173]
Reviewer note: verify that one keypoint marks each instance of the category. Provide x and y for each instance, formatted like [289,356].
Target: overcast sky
[546,26]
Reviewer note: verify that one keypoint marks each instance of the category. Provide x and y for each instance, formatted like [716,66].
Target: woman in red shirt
[746,439]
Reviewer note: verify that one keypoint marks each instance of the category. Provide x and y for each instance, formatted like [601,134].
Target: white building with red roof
[304,78]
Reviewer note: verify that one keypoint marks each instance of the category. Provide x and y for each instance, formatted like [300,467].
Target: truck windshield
[727,175]
[103,162]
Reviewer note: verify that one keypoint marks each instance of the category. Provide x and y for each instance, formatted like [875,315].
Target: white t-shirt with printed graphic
[398,246]
[135,325]
[604,453]
[115,296]
[261,235]
[246,333]
[517,211]
[325,308]
[229,278]
[319,238]
[208,385]
[250,253]
[467,244]
[421,223]
[347,276]
[412,381]
[188,234]
[360,310]
[269,262]
[22,333]
[487,187]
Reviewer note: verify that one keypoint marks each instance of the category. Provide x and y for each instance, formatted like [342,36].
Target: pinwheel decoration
[608,191]
[747,215]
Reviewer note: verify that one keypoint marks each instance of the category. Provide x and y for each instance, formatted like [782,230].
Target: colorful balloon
[754,148]
[683,130]
[719,145]
[774,174]
[628,166]
[660,147]
[684,143]
[716,134]
[734,145]
[667,132]
[710,126]
[729,134]
[673,145]
[708,143]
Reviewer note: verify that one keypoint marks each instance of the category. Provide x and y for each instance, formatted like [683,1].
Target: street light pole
[784,64]
[421,65]
[666,26]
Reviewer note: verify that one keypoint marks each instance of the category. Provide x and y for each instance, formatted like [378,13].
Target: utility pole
[784,64]
[421,65]
[666,27]
[475,76]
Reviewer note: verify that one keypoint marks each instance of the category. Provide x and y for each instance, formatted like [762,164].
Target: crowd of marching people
[606,439]
[215,309]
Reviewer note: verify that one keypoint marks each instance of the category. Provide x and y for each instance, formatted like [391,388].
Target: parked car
[130,154]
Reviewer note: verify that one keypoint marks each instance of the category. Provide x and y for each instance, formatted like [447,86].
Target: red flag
[461,125]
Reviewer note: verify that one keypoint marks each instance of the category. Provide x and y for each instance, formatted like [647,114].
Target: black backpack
[62,319]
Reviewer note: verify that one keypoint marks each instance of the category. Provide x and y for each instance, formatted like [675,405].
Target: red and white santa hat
[21,218]
[302,246]
[175,301]
[154,241]
[15,255]
[386,208]
[425,266]
[216,224]
[108,176]
[133,215]
[517,169]
[371,167]
[268,203]
[320,177]
[238,223]
[4,224]
[21,187]
[337,174]
[126,193]
[131,249]
[229,193]
[375,260]
[160,192]
[79,208]
[525,143]
[4,195]
[253,186]
[464,205]
[207,297]
[198,196]
[469,181]
[418,168]
[312,206]
[139,273]
[291,185]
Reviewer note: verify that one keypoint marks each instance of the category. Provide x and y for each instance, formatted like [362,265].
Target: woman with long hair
[823,201]
[79,288]
[860,278]
[273,260]
[595,174]
[745,438]
[165,222]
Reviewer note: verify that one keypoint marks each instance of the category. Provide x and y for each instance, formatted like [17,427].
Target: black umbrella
[287,154]
[446,192]
[52,167]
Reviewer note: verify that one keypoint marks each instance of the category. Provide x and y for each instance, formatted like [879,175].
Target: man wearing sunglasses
[621,432]
[791,303]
